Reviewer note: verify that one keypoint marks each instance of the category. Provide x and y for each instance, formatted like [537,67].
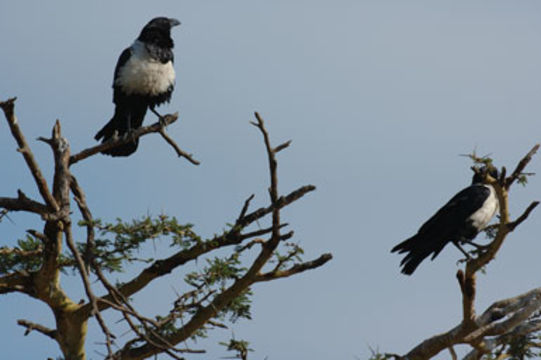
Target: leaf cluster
[238,346]
[17,259]
[120,243]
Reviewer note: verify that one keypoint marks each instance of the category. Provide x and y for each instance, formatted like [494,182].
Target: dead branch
[9,111]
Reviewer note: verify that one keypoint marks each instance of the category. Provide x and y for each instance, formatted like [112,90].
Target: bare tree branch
[157,127]
[520,167]
[23,203]
[522,217]
[9,111]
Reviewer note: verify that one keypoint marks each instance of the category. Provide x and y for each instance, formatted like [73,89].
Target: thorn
[45,140]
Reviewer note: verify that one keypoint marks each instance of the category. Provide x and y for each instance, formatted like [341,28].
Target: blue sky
[380,99]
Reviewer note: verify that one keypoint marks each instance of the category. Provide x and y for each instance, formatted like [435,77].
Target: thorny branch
[233,237]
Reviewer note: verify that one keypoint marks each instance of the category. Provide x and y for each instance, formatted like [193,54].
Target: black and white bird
[458,222]
[144,78]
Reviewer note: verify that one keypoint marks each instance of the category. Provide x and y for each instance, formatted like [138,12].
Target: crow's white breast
[482,216]
[144,75]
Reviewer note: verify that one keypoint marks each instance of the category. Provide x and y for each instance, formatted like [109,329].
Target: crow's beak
[173,22]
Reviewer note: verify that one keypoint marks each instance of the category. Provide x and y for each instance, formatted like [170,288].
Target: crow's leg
[128,135]
[477,246]
[455,243]
[161,118]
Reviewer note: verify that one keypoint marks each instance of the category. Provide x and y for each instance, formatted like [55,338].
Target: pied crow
[458,222]
[144,78]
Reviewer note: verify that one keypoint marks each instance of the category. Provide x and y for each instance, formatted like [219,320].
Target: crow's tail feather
[416,248]
[123,121]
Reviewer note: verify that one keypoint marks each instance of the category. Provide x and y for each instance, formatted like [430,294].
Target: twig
[39,328]
[180,152]
[17,251]
[295,269]
[522,217]
[245,208]
[259,232]
[520,167]
[80,199]
[273,191]
[282,202]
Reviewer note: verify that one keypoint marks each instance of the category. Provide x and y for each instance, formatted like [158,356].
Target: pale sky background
[380,99]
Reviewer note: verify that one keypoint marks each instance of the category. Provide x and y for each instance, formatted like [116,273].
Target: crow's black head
[158,32]
[482,172]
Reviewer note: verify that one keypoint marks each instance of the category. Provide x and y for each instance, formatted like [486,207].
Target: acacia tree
[217,294]
[507,329]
